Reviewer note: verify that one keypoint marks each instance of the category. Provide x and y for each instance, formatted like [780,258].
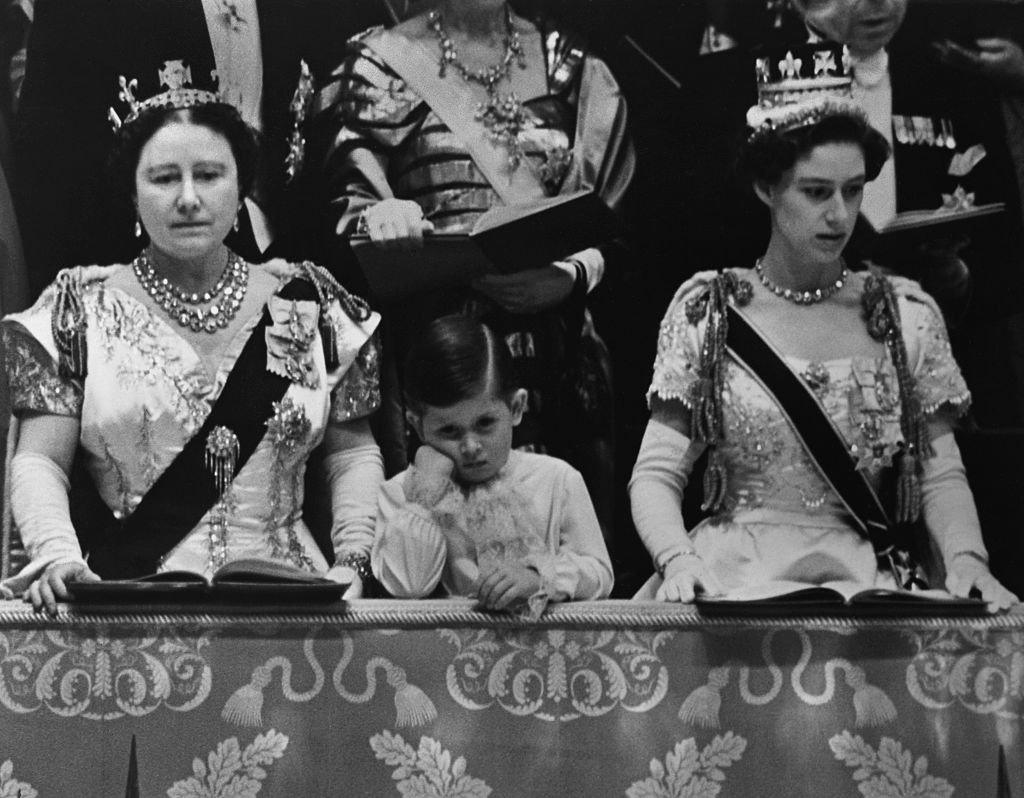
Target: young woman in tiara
[850,377]
[462,107]
[193,385]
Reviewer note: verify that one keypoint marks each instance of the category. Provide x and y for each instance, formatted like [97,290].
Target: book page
[783,590]
[254,569]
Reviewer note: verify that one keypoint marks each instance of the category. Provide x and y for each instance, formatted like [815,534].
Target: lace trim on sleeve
[358,393]
[937,376]
[682,329]
[35,383]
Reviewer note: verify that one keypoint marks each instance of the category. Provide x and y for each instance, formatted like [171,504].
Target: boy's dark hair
[765,158]
[451,359]
[219,117]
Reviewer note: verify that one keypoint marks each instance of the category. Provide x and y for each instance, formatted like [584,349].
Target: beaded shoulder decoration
[68,323]
[882,316]
[327,290]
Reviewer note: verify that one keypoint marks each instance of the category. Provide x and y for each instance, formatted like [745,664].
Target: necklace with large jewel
[503,117]
[803,297]
[206,312]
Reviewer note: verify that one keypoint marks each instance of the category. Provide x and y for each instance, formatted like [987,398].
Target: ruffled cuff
[409,554]
[559,578]
[440,495]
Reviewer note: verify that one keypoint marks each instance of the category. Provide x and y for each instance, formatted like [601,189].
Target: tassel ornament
[68,324]
[871,705]
[245,706]
[908,487]
[882,314]
[701,707]
[413,707]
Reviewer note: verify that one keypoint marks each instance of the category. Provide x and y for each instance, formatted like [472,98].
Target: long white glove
[39,503]
[660,474]
[353,476]
[952,520]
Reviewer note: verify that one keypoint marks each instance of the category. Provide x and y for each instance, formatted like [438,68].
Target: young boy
[512,529]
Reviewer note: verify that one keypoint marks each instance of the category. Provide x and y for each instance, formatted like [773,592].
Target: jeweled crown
[801,88]
[176,77]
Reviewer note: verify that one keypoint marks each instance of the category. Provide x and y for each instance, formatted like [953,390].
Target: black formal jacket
[69,211]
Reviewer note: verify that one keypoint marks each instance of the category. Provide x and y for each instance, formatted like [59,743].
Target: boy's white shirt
[412,552]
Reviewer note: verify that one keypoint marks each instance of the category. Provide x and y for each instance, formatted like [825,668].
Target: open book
[794,598]
[505,239]
[247,580]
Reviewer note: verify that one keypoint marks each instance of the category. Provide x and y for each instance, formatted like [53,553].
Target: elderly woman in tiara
[462,107]
[807,383]
[192,385]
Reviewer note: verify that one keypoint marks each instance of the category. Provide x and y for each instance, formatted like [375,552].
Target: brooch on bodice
[222,451]
[289,425]
[290,339]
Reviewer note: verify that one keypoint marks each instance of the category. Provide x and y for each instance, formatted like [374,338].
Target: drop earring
[138,228]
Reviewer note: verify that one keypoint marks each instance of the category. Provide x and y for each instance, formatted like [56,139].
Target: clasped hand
[507,585]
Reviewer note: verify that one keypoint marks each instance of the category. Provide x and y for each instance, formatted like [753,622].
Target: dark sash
[812,425]
[185,491]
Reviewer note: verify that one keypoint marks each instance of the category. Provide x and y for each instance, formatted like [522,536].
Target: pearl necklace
[222,302]
[802,297]
[503,117]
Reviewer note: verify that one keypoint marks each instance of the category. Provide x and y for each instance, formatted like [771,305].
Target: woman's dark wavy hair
[764,158]
[219,117]
[451,360]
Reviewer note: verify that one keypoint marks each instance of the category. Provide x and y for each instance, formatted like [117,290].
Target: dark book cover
[505,239]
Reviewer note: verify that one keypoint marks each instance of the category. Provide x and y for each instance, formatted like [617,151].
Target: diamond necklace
[802,297]
[503,117]
[223,301]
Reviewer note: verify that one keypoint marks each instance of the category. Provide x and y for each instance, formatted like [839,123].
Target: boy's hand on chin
[507,585]
[433,464]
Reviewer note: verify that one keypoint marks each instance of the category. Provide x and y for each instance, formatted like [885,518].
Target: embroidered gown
[386,141]
[781,520]
[147,392]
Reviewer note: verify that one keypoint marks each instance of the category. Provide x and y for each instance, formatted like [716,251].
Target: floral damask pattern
[10,787]
[100,677]
[557,675]
[691,773]
[426,772]
[229,771]
[965,667]
[889,772]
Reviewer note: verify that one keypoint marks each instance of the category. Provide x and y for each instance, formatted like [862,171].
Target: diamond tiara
[176,76]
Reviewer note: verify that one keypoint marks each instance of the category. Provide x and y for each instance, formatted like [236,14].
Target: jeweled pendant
[222,450]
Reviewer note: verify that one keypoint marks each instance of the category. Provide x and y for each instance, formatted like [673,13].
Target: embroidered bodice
[766,462]
[147,391]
